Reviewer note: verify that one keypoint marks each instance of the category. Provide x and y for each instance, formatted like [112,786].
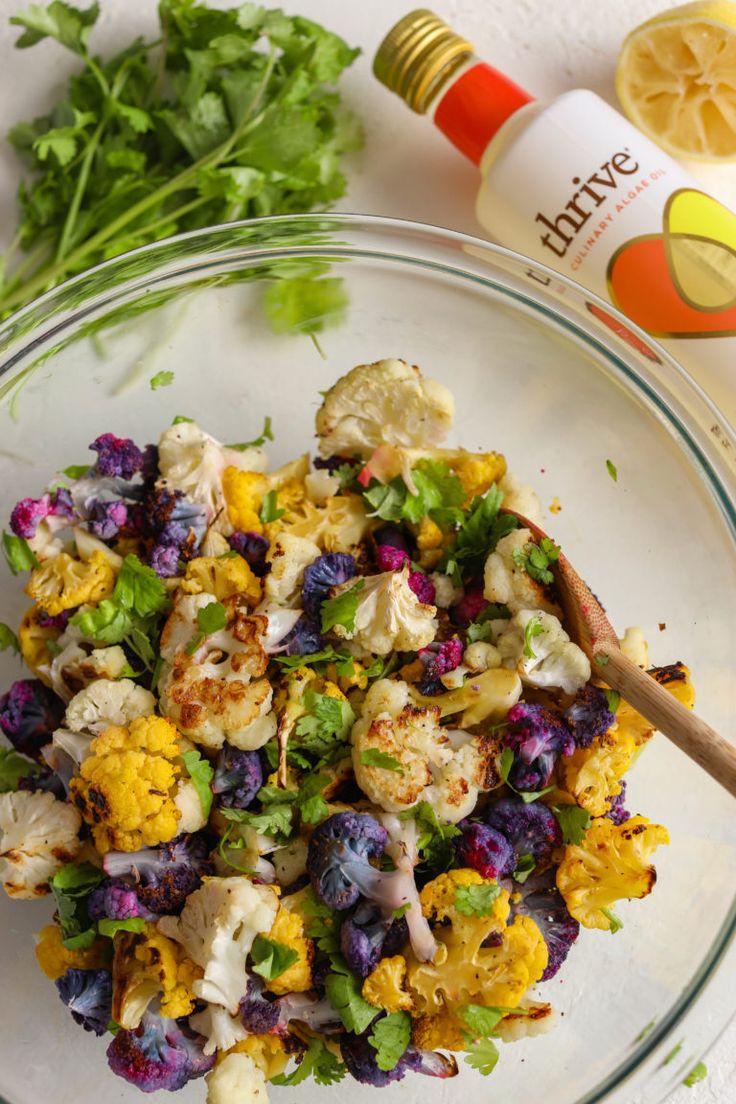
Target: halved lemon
[676,80]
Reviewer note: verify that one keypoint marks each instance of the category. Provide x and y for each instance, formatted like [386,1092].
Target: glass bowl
[542,372]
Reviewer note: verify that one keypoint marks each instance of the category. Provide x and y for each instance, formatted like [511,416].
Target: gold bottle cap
[417,56]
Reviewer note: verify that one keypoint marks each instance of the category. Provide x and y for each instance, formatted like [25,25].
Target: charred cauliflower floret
[388,402]
[62,583]
[219,692]
[38,834]
[288,556]
[148,966]
[611,863]
[509,583]
[535,644]
[223,577]
[421,760]
[336,524]
[593,774]
[389,616]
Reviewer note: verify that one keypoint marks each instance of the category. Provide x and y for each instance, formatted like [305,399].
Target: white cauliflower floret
[389,615]
[220,1029]
[189,805]
[87,544]
[217,927]
[446,594]
[236,1080]
[555,660]
[634,646]
[481,656]
[38,834]
[509,584]
[290,862]
[78,663]
[108,702]
[383,403]
[521,498]
[46,542]
[219,692]
[320,486]
[446,768]
[288,557]
[192,461]
[528,1020]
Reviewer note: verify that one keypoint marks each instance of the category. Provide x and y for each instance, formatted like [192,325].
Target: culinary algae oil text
[571,183]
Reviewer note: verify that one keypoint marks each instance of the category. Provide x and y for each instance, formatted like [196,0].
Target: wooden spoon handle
[690,733]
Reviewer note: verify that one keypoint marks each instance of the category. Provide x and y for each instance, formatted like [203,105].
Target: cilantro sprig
[435,842]
[476,900]
[317,1062]
[481,530]
[438,489]
[535,559]
[390,1037]
[573,821]
[270,959]
[13,767]
[342,609]
[210,619]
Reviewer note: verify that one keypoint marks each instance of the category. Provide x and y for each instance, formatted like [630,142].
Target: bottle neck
[474,105]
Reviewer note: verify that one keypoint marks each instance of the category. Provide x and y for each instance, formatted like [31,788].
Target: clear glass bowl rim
[24,332]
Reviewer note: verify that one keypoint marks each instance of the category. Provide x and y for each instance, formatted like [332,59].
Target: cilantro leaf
[181,418]
[107,623]
[326,717]
[480,629]
[343,992]
[526,865]
[536,558]
[18,553]
[696,1074]
[387,499]
[390,1037]
[319,1062]
[613,919]
[8,639]
[269,508]
[374,757]
[266,435]
[573,821]
[68,25]
[505,763]
[323,924]
[110,927]
[438,489]
[75,471]
[481,531]
[305,305]
[482,1055]
[612,698]
[476,900]
[271,959]
[481,1020]
[343,660]
[139,589]
[201,773]
[435,846]
[341,609]
[273,820]
[71,885]
[13,767]
[161,379]
[612,470]
[532,628]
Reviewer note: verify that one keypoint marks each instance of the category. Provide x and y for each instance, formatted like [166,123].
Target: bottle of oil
[571,183]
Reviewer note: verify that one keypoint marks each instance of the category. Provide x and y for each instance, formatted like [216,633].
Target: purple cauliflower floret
[330,463]
[106,519]
[368,936]
[486,850]
[304,639]
[360,1058]
[537,737]
[315,1012]
[238,777]
[530,829]
[88,996]
[392,537]
[58,621]
[114,899]
[470,605]
[165,875]
[63,503]
[117,456]
[338,858]
[542,901]
[422,586]
[158,1055]
[164,559]
[437,660]
[589,715]
[29,713]
[391,558]
[43,780]
[618,812]
[322,575]
[259,1016]
[30,512]
[253,548]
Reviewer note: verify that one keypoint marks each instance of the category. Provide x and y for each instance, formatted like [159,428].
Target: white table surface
[407,169]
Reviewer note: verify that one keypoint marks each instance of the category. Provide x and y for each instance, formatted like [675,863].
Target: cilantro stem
[73,212]
[177,213]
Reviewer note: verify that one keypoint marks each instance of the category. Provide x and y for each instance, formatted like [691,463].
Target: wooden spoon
[589,627]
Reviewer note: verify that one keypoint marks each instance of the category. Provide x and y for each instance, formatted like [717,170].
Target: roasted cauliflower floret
[484,697]
[288,556]
[385,986]
[217,928]
[388,402]
[446,768]
[535,644]
[223,578]
[192,461]
[532,1019]
[38,834]
[125,786]
[675,678]
[389,616]
[521,498]
[267,1051]
[593,774]
[34,639]
[62,583]
[337,524]
[148,966]
[244,492]
[509,583]
[108,702]
[236,1080]
[219,692]
[611,863]
[54,959]
[442,1030]
[288,928]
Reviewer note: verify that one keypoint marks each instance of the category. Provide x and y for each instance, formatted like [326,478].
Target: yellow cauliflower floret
[33,639]
[289,498]
[465,972]
[125,786]
[147,965]
[611,863]
[55,959]
[288,928]
[337,526]
[267,1051]
[385,987]
[243,492]
[223,577]
[429,535]
[477,471]
[63,582]
[675,678]
[592,775]
[439,1031]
